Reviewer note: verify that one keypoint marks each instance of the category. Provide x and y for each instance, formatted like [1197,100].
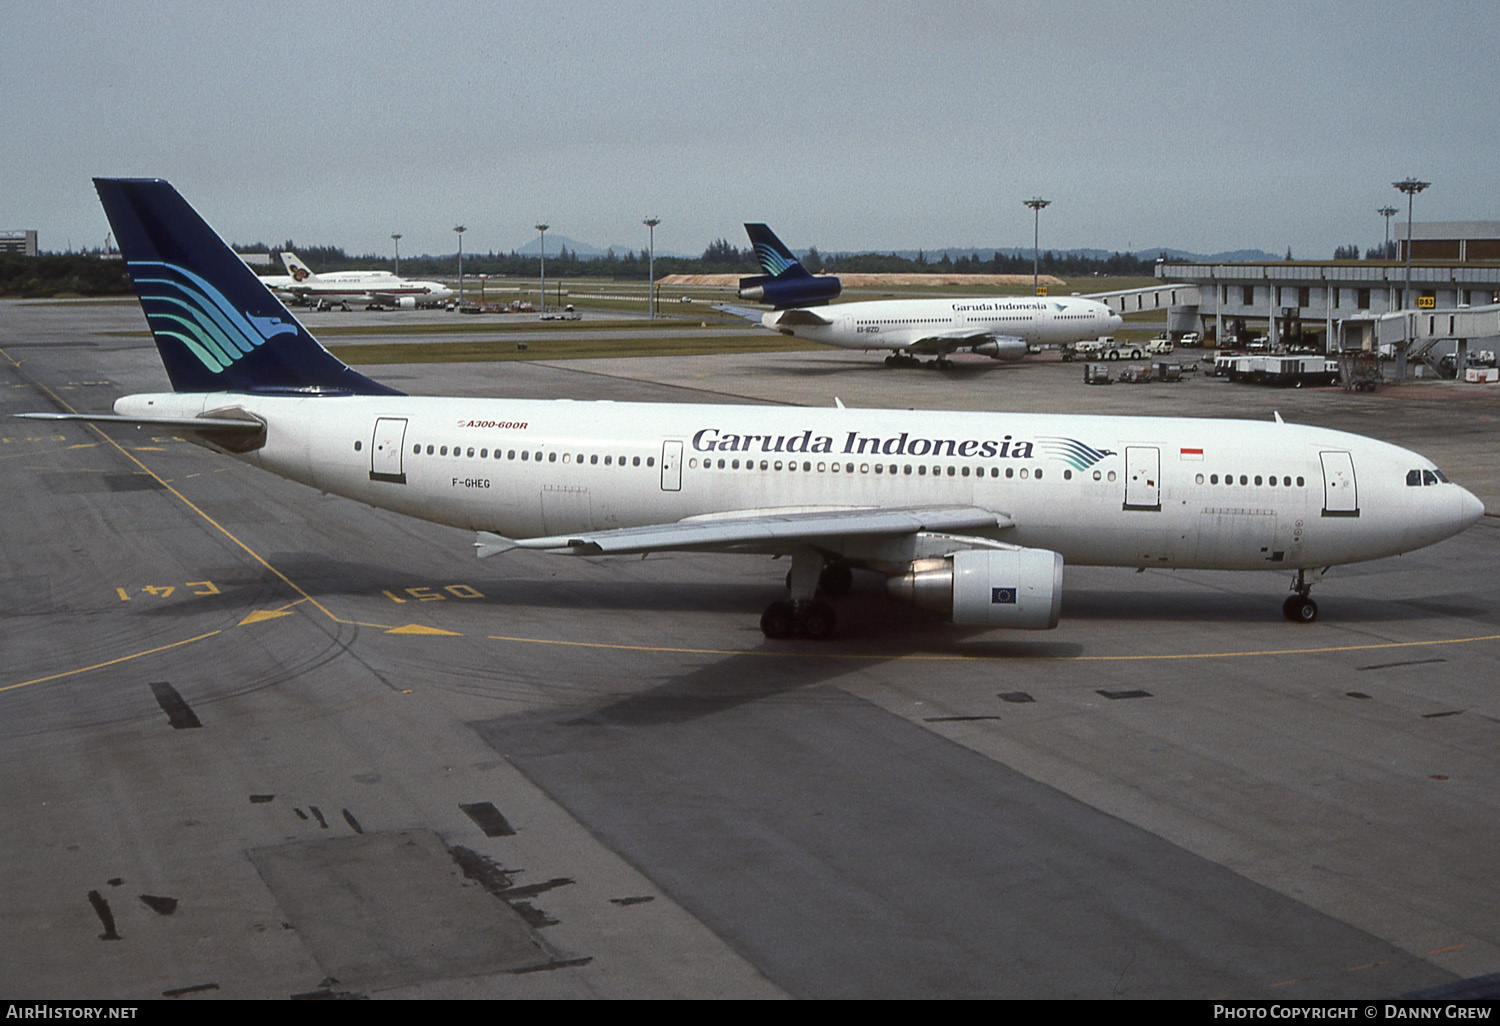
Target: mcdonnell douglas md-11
[973,515]
[1000,327]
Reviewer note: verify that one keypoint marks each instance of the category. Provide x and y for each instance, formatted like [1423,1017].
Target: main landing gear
[802,615]
[1299,606]
[908,360]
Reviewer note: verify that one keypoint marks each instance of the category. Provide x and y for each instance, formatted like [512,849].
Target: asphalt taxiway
[264,742]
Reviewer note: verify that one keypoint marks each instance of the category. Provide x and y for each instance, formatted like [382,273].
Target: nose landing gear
[1299,606]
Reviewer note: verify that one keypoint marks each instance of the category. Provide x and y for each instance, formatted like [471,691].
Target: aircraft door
[386,444]
[671,465]
[1340,495]
[1143,477]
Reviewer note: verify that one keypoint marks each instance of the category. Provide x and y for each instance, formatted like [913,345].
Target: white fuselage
[897,324]
[1114,491]
[359,287]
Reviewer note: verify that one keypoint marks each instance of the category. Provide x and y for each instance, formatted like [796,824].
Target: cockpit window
[1418,478]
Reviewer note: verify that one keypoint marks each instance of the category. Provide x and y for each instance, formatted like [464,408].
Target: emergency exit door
[386,444]
[1143,477]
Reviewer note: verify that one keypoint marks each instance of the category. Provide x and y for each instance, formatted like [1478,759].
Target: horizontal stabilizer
[489,544]
[745,312]
[218,425]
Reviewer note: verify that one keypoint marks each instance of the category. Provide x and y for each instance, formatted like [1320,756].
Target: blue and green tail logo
[185,307]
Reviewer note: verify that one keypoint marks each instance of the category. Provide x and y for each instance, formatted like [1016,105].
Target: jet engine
[1002,349]
[1016,588]
[785,291]
[406,303]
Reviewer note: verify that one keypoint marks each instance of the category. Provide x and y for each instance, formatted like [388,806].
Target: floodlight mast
[543,229]
[1036,204]
[1411,187]
[1387,212]
[460,229]
[651,223]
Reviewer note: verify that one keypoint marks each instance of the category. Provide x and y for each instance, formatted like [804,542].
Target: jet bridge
[1415,333]
[1180,302]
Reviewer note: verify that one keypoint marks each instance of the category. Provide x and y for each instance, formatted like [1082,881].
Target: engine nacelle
[406,303]
[783,292]
[1016,588]
[1002,349]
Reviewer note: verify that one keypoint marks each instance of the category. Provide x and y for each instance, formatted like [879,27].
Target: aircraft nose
[1470,509]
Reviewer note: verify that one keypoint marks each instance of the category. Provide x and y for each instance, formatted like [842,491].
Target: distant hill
[1148,254]
[588,251]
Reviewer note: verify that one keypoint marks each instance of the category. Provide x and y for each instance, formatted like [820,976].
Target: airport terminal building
[1339,304]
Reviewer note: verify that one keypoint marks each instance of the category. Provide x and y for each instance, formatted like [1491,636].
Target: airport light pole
[397,239]
[1036,204]
[1411,187]
[543,229]
[651,223]
[1387,213]
[460,229]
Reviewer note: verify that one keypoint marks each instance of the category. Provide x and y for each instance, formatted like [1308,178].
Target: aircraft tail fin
[216,325]
[786,282]
[299,271]
[775,259]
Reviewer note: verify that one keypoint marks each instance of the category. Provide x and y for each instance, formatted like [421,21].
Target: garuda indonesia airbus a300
[1000,327]
[969,514]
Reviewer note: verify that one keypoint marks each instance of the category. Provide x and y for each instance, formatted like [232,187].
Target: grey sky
[846,125]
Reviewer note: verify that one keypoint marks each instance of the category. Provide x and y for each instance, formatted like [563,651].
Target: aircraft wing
[758,531]
[943,342]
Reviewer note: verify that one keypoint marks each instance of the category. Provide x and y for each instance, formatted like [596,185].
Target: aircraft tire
[818,621]
[779,621]
[1299,609]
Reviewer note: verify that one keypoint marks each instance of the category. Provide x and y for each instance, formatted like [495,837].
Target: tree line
[85,274]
